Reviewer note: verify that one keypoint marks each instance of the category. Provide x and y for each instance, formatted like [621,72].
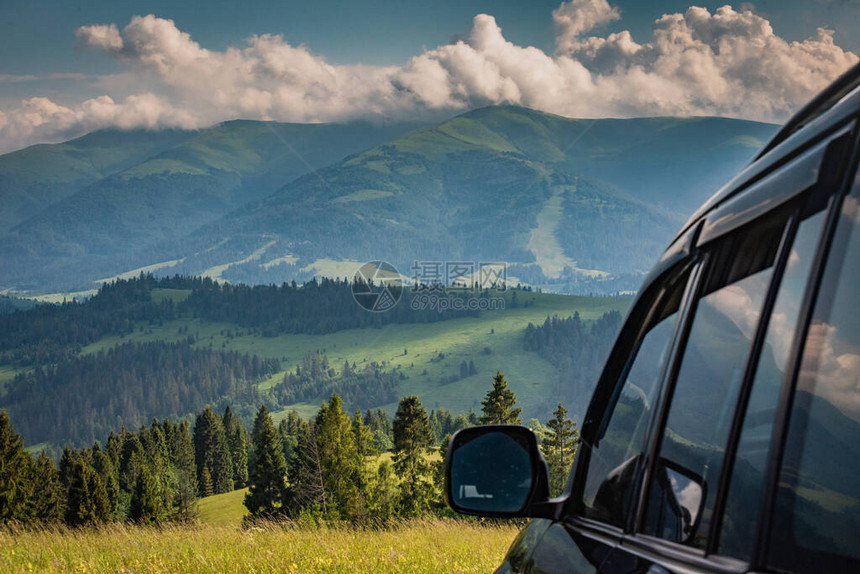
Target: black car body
[724,432]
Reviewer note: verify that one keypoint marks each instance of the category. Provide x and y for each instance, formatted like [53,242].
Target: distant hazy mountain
[561,197]
[115,200]
[31,179]
[566,200]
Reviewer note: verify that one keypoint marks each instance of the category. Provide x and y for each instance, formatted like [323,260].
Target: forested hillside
[166,347]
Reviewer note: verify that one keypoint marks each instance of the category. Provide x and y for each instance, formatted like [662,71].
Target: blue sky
[60,78]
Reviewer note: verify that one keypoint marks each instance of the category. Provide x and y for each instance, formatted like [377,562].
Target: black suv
[724,432]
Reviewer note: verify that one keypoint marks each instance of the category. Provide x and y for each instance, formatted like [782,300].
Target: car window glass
[710,375]
[818,499]
[615,457]
[743,501]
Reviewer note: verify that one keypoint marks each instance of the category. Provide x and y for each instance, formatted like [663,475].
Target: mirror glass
[677,499]
[491,471]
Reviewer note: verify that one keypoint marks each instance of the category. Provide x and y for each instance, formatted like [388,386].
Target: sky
[68,67]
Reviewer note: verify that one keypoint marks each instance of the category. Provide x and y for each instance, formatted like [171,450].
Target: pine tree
[88,502]
[383,495]
[498,407]
[267,495]
[104,467]
[363,436]
[307,489]
[211,451]
[205,485]
[15,486]
[339,459]
[289,430]
[560,448]
[146,502]
[412,439]
[237,442]
[48,497]
[185,469]
[133,455]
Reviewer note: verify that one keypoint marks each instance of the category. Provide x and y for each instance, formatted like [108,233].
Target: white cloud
[40,119]
[574,18]
[101,36]
[728,63]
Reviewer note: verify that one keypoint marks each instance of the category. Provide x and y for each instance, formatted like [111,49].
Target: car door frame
[788,180]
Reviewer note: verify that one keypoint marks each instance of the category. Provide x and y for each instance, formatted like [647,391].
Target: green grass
[226,509]
[7,373]
[176,295]
[416,546]
[528,375]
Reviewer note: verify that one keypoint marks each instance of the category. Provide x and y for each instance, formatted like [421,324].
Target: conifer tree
[560,448]
[383,495]
[307,489]
[67,462]
[339,459]
[363,436]
[185,469]
[289,430]
[15,464]
[237,442]
[88,502]
[146,502]
[211,452]
[48,497]
[412,439]
[104,467]
[267,495]
[498,407]
[133,455]
[205,484]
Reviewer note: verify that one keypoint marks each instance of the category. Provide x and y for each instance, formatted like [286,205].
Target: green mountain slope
[31,179]
[137,217]
[576,205]
[559,197]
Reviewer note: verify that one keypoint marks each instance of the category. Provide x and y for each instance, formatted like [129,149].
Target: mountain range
[576,204]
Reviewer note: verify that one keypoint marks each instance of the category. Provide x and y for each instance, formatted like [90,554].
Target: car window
[616,455]
[817,513]
[743,501]
[687,470]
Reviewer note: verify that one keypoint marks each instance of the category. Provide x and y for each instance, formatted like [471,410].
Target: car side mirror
[681,498]
[498,471]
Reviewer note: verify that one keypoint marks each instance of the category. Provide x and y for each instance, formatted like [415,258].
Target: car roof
[815,120]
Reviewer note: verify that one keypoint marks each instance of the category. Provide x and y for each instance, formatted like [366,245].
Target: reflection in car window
[740,519]
[818,501]
[615,457]
[710,376]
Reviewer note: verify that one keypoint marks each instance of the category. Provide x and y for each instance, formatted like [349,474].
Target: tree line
[578,349]
[50,333]
[314,377]
[85,397]
[328,467]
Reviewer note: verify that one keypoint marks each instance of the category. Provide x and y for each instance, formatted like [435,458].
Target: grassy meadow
[417,546]
[218,543]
